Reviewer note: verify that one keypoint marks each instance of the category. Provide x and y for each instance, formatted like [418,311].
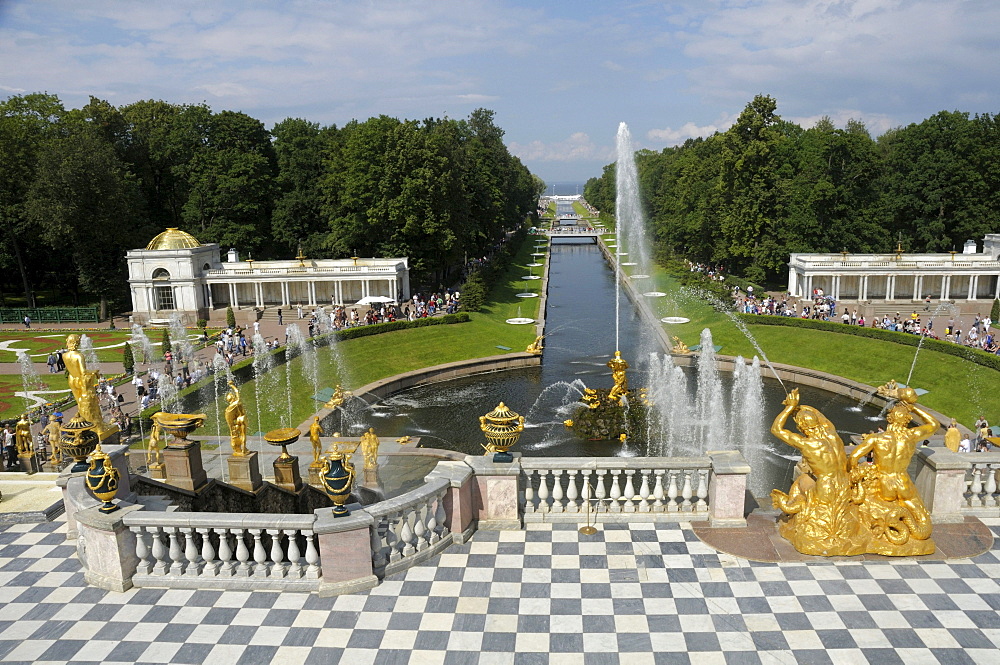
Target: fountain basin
[526,295]
[675,319]
[520,321]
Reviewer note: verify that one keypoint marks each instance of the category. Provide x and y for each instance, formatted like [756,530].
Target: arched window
[206,267]
[161,273]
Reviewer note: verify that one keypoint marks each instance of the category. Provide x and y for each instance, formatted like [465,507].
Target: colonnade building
[176,274]
[970,278]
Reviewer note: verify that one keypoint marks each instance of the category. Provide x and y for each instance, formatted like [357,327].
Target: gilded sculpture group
[861,503]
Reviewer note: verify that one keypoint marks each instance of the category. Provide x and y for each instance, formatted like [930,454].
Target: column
[996,293]
[234,300]
[393,291]
[946,288]
[365,292]
[863,288]
[918,287]
[973,286]
[338,289]
[208,292]
[808,291]
[836,287]
[312,294]
[258,291]
[284,294]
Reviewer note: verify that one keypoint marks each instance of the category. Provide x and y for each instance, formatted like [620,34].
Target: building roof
[173,238]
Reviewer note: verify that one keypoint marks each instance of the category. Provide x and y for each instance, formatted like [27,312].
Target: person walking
[27,321]
[280,322]
[51,362]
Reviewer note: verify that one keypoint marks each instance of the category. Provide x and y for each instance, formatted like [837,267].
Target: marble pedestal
[244,472]
[184,467]
[287,475]
[314,473]
[158,471]
[28,463]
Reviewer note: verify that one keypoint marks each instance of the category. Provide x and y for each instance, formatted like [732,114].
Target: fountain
[30,381]
[264,379]
[87,349]
[180,345]
[140,342]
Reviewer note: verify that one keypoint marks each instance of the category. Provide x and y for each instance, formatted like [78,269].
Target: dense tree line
[750,196]
[80,187]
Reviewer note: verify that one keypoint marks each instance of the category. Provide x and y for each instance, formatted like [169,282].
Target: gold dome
[173,238]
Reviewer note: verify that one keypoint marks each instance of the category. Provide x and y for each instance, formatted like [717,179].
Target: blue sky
[560,75]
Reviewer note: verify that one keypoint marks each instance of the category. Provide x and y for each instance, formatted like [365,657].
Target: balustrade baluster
[440,516]
[572,496]
[294,554]
[629,495]
[242,553]
[599,491]
[529,492]
[557,491]
[644,491]
[976,500]
[141,551]
[226,562]
[176,553]
[658,494]
[672,505]
[615,494]
[419,528]
[406,535]
[543,491]
[190,553]
[379,549]
[159,551]
[393,525]
[277,567]
[312,556]
[687,492]
[702,492]
[211,564]
[259,553]
[432,520]
[989,499]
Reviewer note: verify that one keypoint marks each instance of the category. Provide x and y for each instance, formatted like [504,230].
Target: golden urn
[103,479]
[179,425]
[79,438]
[502,428]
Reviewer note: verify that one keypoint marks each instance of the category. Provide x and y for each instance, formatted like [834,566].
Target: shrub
[201,323]
[128,358]
[995,313]
[972,355]
[230,318]
[473,293]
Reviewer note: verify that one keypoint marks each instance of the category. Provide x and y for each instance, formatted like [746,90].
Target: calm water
[580,333]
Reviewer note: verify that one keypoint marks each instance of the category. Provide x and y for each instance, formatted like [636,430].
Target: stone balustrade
[225,551]
[981,480]
[409,528]
[571,488]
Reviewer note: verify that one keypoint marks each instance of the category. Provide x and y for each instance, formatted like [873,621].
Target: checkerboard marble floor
[631,594]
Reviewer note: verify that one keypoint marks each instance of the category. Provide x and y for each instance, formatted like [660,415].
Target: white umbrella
[373,300]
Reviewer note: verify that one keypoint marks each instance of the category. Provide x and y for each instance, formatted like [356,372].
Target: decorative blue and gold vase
[102,479]
[337,476]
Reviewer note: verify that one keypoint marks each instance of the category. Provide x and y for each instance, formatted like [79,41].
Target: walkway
[645,593]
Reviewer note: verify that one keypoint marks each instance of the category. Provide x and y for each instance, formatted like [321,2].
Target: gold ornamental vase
[284,436]
[502,428]
[79,439]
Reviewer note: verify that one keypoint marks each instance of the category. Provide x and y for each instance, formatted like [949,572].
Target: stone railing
[615,488]
[982,498]
[225,551]
[147,542]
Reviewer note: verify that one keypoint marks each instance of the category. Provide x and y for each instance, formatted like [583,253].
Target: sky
[560,74]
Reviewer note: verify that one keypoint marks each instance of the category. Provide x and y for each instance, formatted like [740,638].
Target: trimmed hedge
[907,339]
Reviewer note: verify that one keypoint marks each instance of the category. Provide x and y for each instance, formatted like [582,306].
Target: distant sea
[564,188]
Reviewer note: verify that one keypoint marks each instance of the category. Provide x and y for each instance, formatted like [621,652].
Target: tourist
[27,321]
[965,446]
[279,317]
[51,362]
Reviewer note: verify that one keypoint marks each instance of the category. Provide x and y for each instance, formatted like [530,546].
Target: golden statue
[338,397]
[403,440]
[679,346]
[369,448]
[840,505]
[52,433]
[618,367]
[535,348]
[892,508]
[823,518]
[83,384]
[22,437]
[591,398]
[316,431]
[952,437]
[153,454]
[236,418]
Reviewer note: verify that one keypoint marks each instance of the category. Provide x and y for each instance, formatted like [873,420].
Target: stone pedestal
[940,480]
[287,475]
[314,473]
[158,471]
[28,464]
[244,472]
[106,548]
[345,552]
[727,489]
[494,492]
[184,466]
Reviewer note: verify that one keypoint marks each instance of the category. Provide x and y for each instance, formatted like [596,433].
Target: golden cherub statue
[535,348]
[618,367]
[22,437]
[338,397]
[236,418]
[369,448]
[679,346]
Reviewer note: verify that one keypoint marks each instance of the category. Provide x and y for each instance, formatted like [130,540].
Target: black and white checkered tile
[645,593]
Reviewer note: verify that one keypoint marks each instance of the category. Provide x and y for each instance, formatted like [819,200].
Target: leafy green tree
[473,293]
[995,313]
[128,358]
[297,217]
[86,202]
[230,318]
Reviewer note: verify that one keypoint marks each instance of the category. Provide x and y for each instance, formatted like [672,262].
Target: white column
[338,289]
[836,287]
[973,286]
[946,288]
[312,294]
[234,292]
[890,287]
[208,292]
[393,292]
[808,291]
[996,293]
[863,288]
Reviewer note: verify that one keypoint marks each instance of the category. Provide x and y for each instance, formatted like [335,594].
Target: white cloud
[688,130]
[577,147]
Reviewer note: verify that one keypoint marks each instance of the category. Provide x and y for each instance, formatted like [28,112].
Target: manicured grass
[107,343]
[958,388]
[12,406]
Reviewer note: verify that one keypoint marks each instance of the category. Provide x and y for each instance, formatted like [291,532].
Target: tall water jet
[630,221]
[746,425]
[305,349]
[710,408]
[30,381]
[87,349]
[221,376]
[140,341]
[264,379]
[180,345]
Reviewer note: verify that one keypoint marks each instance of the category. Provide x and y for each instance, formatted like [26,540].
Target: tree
[230,317]
[165,342]
[86,203]
[995,313]
[297,216]
[27,122]
[128,358]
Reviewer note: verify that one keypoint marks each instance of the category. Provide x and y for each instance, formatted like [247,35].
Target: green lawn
[12,406]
